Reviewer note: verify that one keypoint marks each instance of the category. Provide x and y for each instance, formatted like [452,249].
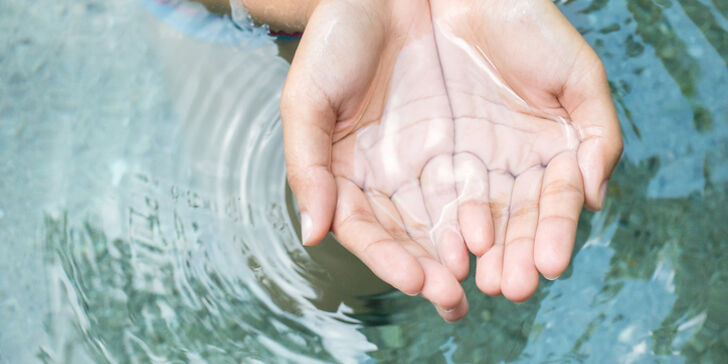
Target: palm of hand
[447,139]
[513,137]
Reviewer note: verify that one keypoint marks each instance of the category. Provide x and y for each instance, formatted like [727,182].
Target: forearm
[216,6]
[290,15]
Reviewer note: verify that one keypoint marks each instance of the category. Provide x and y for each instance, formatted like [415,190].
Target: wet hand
[364,91]
[497,122]
[537,136]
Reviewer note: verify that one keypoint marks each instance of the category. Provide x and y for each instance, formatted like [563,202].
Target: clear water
[144,214]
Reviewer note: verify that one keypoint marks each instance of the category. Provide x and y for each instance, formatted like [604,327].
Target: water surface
[145,216]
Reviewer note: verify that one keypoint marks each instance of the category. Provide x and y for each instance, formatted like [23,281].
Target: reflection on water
[146,218]
[178,289]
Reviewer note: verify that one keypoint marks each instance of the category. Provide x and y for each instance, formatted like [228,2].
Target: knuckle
[295,178]
[520,239]
[555,217]
[561,187]
[352,217]
[526,208]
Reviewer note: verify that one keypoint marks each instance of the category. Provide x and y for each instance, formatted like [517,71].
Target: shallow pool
[144,214]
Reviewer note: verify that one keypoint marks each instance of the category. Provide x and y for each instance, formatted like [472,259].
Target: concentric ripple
[171,237]
[144,213]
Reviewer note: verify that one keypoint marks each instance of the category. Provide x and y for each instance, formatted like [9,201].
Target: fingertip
[489,270]
[603,193]
[477,227]
[306,226]
[393,264]
[313,233]
[592,176]
[594,194]
[520,277]
[519,294]
[552,251]
[487,285]
[552,278]
[316,197]
[597,159]
[550,267]
[412,282]
[519,286]
[454,314]
[451,300]
[440,286]
[453,253]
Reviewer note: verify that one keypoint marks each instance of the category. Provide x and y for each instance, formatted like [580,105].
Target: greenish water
[144,215]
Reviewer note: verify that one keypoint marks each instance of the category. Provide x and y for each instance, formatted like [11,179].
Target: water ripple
[191,252]
[145,215]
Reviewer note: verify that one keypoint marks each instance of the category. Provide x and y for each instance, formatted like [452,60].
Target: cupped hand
[536,135]
[369,139]
[404,128]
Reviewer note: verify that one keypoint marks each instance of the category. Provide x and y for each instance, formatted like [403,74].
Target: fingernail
[305,227]
[444,310]
[552,279]
[603,192]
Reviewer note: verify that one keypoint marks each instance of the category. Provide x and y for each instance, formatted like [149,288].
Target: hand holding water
[361,67]
[420,131]
[537,135]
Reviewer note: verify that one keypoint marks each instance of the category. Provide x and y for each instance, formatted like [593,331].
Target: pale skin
[417,144]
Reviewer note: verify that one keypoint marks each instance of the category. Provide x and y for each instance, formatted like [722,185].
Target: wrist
[286,15]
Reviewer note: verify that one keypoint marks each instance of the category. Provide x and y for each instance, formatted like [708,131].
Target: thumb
[328,67]
[308,123]
[589,104]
